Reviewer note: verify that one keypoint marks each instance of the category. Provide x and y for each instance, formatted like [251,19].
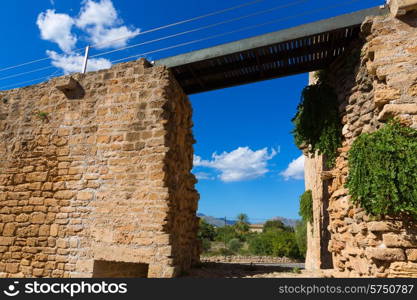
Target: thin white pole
[87,51]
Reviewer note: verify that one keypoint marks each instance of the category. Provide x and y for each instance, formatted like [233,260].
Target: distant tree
[273,224]
[301,237]
[206,231]
[225,233]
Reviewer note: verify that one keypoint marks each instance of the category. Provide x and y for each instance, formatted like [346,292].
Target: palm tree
[243,218]
[242,225]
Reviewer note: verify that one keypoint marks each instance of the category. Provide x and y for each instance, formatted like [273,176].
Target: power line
[28,72]
[202,28]
[234,31]
[33,61]
[32,80]
[183,22]
[141,33]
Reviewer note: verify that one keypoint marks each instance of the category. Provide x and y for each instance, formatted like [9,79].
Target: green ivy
[317,123]
[306,206]
[383,171]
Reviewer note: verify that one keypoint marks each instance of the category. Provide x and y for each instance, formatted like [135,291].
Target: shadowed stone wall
[97,169]
[318,256]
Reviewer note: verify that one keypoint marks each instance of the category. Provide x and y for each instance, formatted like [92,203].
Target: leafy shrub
[234,245]
[206,245]
[306,206]
[275,242]
[225,252]
[262,244]
[284,244]
[383,171]
[317,123]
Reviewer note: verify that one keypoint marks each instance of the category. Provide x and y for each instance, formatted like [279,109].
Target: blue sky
[243,134]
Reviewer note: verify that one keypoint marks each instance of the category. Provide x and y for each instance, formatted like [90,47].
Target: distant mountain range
[219,222]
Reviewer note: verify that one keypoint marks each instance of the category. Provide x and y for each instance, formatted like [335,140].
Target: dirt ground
[235,270]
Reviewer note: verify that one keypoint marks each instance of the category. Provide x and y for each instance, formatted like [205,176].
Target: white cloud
[72,63]
[103,25]
[57,28]
[203,176]
[98,22]
[100,13]
[295,169]
[238,165]
[110,37]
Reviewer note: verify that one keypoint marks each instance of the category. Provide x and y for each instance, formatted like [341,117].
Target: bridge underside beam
[287,52]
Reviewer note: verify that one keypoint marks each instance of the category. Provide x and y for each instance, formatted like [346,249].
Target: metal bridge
[286,52]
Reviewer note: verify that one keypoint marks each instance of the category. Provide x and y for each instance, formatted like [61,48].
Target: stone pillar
[317,256]
[95,175]
[378,84]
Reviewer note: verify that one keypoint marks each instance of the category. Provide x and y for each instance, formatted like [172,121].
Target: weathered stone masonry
[378,80]
[95,173]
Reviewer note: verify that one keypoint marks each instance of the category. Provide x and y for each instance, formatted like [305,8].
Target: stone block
[36,176]
[71,88]
[412,90]
[44,230]
[6,241]
[386,94]
[392,110]
[399,240]
[84,196]
[37,218]
[379,226]
[9,229]
[12,268]
[411,254]
[385,254]
[403,270]
[64,195]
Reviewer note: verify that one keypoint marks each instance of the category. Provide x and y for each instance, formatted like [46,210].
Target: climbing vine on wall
[317,123]
[306,206]
[383,171]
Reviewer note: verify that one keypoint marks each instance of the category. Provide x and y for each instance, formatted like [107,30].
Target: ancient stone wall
[376,81]
[96,171]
